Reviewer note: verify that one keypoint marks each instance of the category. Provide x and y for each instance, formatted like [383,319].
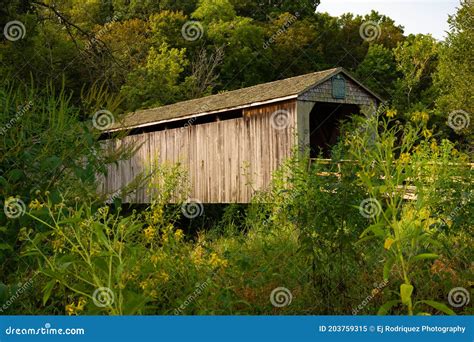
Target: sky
[417,16]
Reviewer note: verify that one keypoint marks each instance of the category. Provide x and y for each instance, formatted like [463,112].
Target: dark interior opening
[324,122]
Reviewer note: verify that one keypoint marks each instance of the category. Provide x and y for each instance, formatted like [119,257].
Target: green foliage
[144,8]
[416,61]
[378,70]
[82,248]
[262,9]
[93,41]
[214,10]
[395,159]
[46,147]
[455,74]
[305,232]
[156,82]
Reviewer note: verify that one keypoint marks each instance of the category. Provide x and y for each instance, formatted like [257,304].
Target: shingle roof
[227,100]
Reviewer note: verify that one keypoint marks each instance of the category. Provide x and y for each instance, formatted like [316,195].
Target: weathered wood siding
[355,94]
[215,154]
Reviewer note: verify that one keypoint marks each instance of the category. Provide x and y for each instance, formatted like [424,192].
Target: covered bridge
[231,143]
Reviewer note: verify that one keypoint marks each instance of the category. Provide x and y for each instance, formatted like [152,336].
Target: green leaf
[134,302]
[5,246]
[387,267]
[438,306]
[405,293]
[64,262]
[376,229]
[50,163]
[15,175]
[47,289]
[424,256]
[99,232]
[384,309]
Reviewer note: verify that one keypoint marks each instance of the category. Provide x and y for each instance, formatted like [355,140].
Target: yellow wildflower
[145,284]
[154,259]
[35,204]
[454,152]
[215,261]
[427,133]
[420,116]
[391,113]
[149,233]
[196,255]
[70,309]
[409,214]
[58,245]
[404,158]
[388,243]
[434,146]
[157,216]
[80,304]
[178,234]
[164,276]
[73,308]
[425,116]
[104,211]
[424,213]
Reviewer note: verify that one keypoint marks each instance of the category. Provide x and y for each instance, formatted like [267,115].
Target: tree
[128,42]
[204,75]
[166,27]
[214,10]
[289,39]
[243,41]
[378,70]
[144,8]
[263,9]
[416,61]
[455,74]
[156,82]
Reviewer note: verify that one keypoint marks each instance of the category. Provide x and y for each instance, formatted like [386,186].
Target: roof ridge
[287,88]
[329,71]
